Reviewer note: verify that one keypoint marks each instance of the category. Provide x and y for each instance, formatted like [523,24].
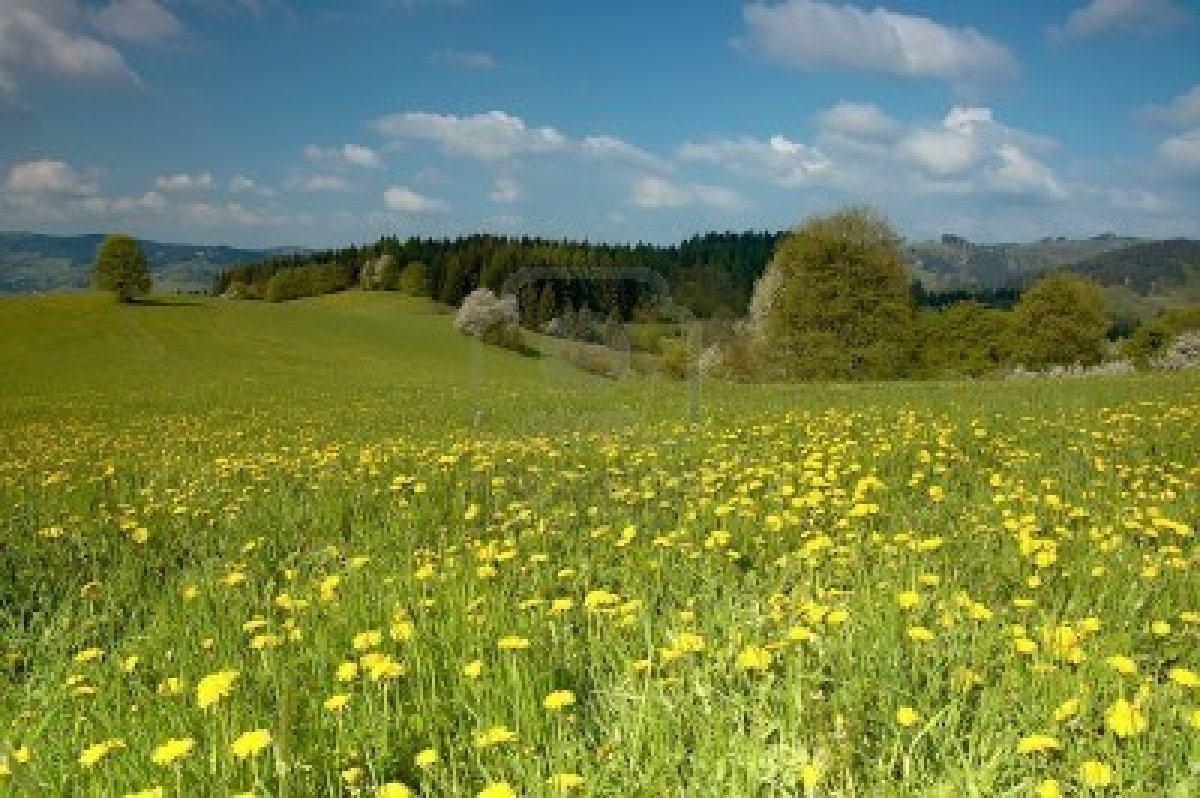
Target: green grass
[228,485]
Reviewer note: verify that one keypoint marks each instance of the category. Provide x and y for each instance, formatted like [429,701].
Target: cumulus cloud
[185,182]
[1100,17]
[48,176]
[404,200]
[653,193]
[1182,150]
[235,213]
[346,155]
[324,183]
[151,201]
[49,38]
[239,183]
[136,21]
[778,159]
[493,135]
[856,119]
[812,35]
[473,60]
[1183,110]
[610,147]
[505,189]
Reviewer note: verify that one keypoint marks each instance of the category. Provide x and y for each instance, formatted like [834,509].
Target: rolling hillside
[34,262]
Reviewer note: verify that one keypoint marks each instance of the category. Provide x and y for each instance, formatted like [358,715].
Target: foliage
[965,339]
[1152,338]
[380,274]
[1060,321]
[305,281]
[841,308]
[120,267]
[414,280]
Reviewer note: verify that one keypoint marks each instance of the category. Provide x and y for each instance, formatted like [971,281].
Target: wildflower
[214,687]
[250,743]
[89,655]
[346,672]
[919,634]
[497,789]
[1049,789]
[559,699]
[426,759]
[908,599]
[513,643]
[1094,775]
[94,753]
[366,640]
[336,703]
[1067,709]
[754,658]
[1125,719]
[810,776]
[1038,744]
[352,775]
[393,789]
[494,735]
[1184,677]
[1122,665]
[403,630]
[907,716]
[172,750]
[473,668]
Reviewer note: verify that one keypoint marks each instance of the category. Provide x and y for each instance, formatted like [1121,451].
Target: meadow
[333,547]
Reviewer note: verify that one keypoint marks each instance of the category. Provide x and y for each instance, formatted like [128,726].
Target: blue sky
[256,122]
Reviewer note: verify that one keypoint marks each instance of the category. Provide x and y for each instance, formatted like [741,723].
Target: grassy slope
[248,437]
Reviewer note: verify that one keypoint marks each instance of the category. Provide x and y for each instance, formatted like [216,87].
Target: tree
[835,301]
[1060,321]
[414,280]
[121,268]
[965,339]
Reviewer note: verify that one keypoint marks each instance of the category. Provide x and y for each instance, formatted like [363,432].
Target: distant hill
[34,262]
[953,263]
[1149,267]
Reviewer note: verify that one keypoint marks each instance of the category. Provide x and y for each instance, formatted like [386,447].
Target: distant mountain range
[32,262]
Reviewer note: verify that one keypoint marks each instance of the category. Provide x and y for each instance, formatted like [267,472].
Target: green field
[404,558]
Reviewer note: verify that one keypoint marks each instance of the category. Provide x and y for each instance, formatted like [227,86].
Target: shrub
[1060,321]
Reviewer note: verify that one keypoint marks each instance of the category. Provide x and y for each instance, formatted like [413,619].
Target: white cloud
[494,135]
[346,155]
[1120,16]
[236,213]
[324,183]
[1182,150]
[151,201]
[1183,110]
[1018,172]
[812,35]
[474,60]
[856,119]
[136,21]
[778,159]
[654,193]
[48,175]
[239,183]
[185,182]
[405,200]
[505,189]
[40,37]
[610,147]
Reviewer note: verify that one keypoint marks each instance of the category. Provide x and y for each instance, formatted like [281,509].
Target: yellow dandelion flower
[368,639]
[338,702]
[908,599]
[94,753]
[149,792]
[559,699]
[1122,665]
[1038,744]
[907,716]
[497,789]
[473,669]
[393,789]
[1094,774]
[565,781]
[426,759]
[919,634]
[215,686]
[1049,789]
[351,776]
[172,750]
[754,658]
[250,743]
[1124,719]
[1184,677]
[513,643]
[1067,709]
[494,735]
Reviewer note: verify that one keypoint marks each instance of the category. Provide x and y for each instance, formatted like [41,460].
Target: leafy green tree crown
[121,267]
[1060,321]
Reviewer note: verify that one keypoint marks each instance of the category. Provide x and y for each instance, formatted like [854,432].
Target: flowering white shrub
[482,312]
[1183,353]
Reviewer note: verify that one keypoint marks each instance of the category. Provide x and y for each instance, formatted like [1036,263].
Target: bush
[835,301]
[1152,339]
[1061,320]
[414,280]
